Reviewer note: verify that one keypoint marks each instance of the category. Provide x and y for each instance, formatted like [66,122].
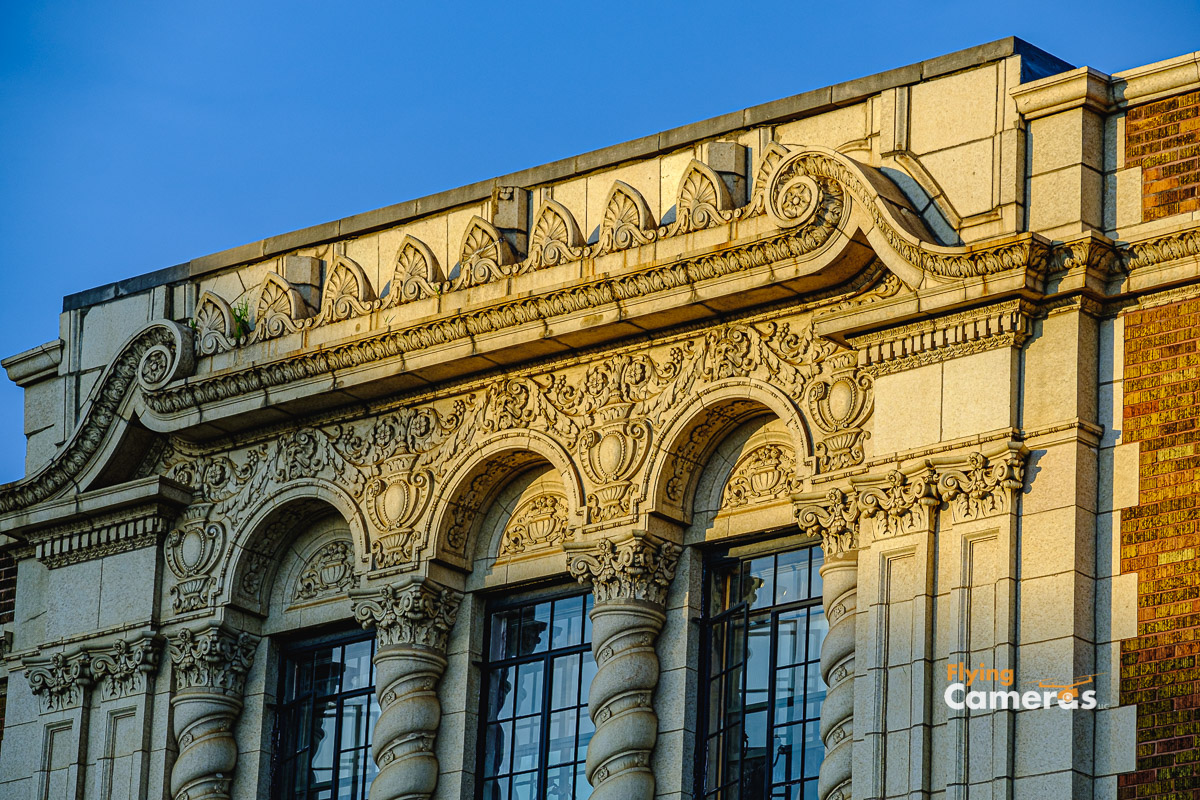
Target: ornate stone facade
[847,325]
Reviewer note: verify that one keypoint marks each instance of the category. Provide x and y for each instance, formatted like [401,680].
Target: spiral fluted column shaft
[413,622]
[630,576]
[840,580]
[210,666]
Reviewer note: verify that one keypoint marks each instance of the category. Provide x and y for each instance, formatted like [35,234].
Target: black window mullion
[769,770]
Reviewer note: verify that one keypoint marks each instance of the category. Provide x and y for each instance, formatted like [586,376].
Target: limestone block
[1055,607]
[979,393]
[670,172]
[949,111]
[73,599]
[1074,136]
[40,448]
[44,405]
[1066,201]
[108,325]
[1044,744]
[365,252]
[1058,476]
[1056,541]
[673,699]
[1127,198]
[127,587]
[1112,349]
[912,401]
[1116,740]
[833,129]
[1060,363]
[1125,475]
[965,174]
[1116,608]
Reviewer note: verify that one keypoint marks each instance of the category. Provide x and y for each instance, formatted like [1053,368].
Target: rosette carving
[191,550]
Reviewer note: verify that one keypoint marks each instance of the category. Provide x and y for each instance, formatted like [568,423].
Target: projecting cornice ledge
[820,226]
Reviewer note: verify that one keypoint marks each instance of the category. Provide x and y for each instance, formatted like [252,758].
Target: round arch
[248,572]
[475,477]
[694,431]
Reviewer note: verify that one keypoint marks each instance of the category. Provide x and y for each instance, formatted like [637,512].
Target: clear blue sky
[138,135]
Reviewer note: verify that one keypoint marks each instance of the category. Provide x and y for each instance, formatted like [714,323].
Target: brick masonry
[1163,138]
[1160,539]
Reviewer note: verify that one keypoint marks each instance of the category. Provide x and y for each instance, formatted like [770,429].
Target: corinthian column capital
[212,658]
[635,566]
[420,613]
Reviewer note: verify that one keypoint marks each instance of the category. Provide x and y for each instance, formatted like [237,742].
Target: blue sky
[138,135]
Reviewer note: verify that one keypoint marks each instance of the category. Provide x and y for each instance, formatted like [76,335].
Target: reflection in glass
[764,631]
[536,726]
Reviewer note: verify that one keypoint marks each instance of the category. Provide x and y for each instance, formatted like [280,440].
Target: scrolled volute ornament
[213,658]
[901,503]
[60,681]
[982,487]
[637,567]
[169,357]
[833,517]
[420,613]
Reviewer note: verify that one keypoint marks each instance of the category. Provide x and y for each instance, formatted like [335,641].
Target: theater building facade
[843,447]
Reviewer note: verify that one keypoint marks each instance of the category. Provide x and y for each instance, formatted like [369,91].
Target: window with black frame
[763,631]
[326,714]
[535,726]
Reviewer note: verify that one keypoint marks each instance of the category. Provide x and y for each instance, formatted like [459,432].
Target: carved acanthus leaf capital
[127,665]
[420,612]
[60,681]
[900,503]
[213,658]
[635,567]
[833,517]
[982,487]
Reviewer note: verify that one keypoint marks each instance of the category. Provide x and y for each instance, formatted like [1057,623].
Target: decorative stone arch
[248,572]
[691,435]
[478,475]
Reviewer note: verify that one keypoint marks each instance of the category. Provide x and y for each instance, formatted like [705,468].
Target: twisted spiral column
[413,622]
[839,575]
[630,576]
[210,666]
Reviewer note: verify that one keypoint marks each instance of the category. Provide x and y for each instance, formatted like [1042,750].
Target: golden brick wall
[1163,138]
[1160,539]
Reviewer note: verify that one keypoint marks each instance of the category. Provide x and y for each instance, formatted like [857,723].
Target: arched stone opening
[479,478]
[695,432]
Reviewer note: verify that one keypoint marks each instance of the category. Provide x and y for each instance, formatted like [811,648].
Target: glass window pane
[814,574]
[506,626]
[814,693]
[525,787]
[497,742]
[791,577]
[559,783]
[586,729]
[789,695]
[583,789]
[817,628]
[354,722]
[500,693]
[535,630]
[589,601]
[788,753]
[495,789]
[564,683]
[350,769]
[529,688]
[814,750]
[792,627]
[527,733]
[562,737]
[324,739]
[357,674]
[589,672]
[758,662]
[568,622]
[327,671]
[760,591]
